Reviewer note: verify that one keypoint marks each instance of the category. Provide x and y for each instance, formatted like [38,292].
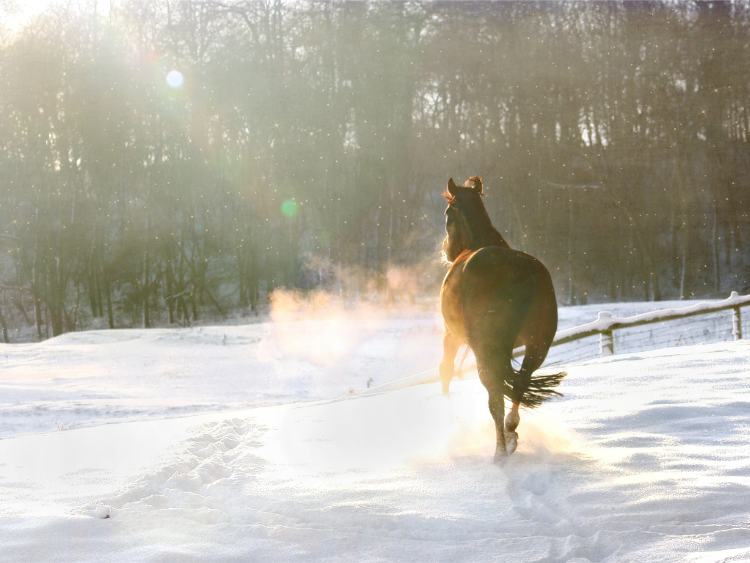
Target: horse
[494,299]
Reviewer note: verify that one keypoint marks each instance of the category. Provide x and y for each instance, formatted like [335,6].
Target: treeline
[170,159]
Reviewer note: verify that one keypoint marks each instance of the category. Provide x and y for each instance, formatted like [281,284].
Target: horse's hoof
[511,442]
[512,420]
[500,458]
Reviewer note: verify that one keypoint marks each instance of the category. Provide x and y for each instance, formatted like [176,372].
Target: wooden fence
[606,324]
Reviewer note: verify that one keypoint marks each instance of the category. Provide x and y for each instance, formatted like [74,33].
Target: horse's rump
[507,300]
[498,288]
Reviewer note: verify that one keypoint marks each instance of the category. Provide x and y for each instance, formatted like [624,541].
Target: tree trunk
[146,283]
[4,326]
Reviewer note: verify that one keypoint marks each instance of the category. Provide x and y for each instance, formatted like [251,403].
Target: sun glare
[289,208]
[175,79]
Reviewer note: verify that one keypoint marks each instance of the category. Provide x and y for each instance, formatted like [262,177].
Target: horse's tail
[524,386]
[529,387]
[532,389]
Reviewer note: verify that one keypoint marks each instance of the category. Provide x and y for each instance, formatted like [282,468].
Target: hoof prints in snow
[200,482]
[460,506]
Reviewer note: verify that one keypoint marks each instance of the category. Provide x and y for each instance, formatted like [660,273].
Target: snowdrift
[645,458]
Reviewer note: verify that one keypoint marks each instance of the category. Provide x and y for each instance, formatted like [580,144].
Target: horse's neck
[494,238]
[483,234]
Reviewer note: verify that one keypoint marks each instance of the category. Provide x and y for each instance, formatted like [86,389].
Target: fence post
[736,324]
[606,341]
[736,320]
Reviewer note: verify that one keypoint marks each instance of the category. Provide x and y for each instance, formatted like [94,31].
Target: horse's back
[497,269]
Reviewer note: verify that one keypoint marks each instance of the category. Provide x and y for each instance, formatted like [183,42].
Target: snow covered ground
[87,378]
[645,458]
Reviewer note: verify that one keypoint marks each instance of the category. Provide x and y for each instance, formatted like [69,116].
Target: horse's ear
[452,187]
[477,184]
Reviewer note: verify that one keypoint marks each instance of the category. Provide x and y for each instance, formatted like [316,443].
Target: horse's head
[464,204]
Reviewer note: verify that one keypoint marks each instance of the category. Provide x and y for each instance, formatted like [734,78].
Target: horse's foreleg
[451,344]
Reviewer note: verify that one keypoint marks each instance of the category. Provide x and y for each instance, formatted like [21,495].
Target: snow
[645,458]
[85,378]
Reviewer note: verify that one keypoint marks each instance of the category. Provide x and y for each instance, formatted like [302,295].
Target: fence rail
[606,324]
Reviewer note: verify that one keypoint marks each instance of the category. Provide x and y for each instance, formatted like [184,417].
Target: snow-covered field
[87,378]
[645,458]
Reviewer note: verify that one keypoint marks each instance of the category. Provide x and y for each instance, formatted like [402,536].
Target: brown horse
[495,298]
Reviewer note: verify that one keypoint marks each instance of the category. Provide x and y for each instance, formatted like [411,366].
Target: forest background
[164,162]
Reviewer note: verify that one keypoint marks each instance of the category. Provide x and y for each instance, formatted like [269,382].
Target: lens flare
[175,79]
[289,208]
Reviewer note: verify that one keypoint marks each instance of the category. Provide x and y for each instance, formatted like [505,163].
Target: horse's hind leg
[513,419]
[511,423]
[491,374]
[451,344]
[532,360]
[497,410]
